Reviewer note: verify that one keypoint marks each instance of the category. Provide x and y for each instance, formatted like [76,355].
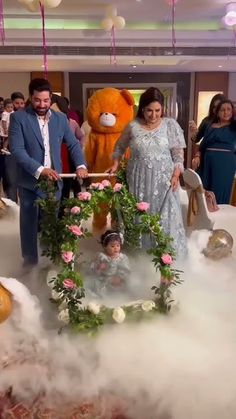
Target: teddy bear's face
[110,110]
[107,119]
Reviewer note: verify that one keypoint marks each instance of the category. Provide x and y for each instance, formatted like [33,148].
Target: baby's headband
[120,235]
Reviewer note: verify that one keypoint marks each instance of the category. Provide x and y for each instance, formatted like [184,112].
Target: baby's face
[9,107]
[113,248]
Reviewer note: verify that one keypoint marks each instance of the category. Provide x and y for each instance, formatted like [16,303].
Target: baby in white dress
[111,268]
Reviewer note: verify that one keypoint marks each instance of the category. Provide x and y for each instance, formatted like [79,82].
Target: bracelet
[197,155]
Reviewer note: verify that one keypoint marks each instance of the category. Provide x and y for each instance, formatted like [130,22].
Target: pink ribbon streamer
[113,47]
[2,30]
[45,56]
[173,10]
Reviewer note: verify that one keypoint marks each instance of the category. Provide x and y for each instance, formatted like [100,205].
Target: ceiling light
[220,66]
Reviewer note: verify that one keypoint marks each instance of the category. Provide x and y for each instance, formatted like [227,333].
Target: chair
[224,218]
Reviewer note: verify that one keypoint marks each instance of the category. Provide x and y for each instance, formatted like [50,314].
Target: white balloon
[119,22]
[107,24]
[51,3]
[111,11]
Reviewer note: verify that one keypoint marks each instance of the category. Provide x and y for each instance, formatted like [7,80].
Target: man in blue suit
[35,138]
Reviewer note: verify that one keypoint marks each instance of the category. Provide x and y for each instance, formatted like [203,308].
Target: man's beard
[41,112]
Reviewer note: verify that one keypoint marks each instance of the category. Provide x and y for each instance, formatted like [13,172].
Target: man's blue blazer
[26,144]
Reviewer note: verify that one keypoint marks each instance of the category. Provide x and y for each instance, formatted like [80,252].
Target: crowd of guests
[45,141]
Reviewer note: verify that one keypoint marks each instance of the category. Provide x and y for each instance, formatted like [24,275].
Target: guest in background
[5,121]
[217,149]
[60,104]
[9,172]
[18,100]
[1,106]
[198,133]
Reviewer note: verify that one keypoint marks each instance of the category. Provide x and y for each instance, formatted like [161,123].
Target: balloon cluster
[33,5]
[111,19]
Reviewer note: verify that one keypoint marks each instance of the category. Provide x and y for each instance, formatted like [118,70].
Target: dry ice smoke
[178,367]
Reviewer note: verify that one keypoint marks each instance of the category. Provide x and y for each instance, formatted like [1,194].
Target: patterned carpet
[101,408]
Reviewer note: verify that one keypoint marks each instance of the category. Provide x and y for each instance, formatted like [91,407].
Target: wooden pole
[90,175]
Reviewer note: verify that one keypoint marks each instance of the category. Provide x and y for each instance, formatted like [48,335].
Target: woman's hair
[61,103]
[150,95]
[216,118]
[212,108]
[110,236]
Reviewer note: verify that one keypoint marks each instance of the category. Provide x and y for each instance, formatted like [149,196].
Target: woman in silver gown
[156,144]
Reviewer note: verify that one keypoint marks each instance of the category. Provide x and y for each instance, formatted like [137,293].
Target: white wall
[232,87]
[14,82]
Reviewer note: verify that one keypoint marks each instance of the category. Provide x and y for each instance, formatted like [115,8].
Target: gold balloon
[5,304]
[219,245]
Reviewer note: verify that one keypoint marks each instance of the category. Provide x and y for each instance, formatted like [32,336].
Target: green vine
[60,240]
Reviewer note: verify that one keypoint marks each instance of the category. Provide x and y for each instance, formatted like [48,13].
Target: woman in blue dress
[156,144]
[218,150]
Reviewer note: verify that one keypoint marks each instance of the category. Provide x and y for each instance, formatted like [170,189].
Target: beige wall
[12,82]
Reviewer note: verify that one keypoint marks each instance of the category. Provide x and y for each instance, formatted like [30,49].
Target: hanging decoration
[2,30]
[45,55]
[111,22]
[41,5]
[173,3]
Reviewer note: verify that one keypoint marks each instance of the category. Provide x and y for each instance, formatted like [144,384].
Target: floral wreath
[60,239]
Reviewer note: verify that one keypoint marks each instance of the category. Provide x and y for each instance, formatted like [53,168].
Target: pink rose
[68,283]
[117,187]
[75,230]
[94,185]
[101,187]
[75,210]
[167,259]
[142,206]
[67,256]
[84,196]
[106,183]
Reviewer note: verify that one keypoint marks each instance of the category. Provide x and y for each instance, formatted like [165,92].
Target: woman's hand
[192,127]
[174,182]
[114,167]
[196,162]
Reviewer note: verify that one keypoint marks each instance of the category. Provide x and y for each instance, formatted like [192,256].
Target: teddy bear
[109,110]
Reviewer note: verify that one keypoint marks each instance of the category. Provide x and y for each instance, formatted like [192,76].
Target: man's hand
[50,174]
[81,173]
